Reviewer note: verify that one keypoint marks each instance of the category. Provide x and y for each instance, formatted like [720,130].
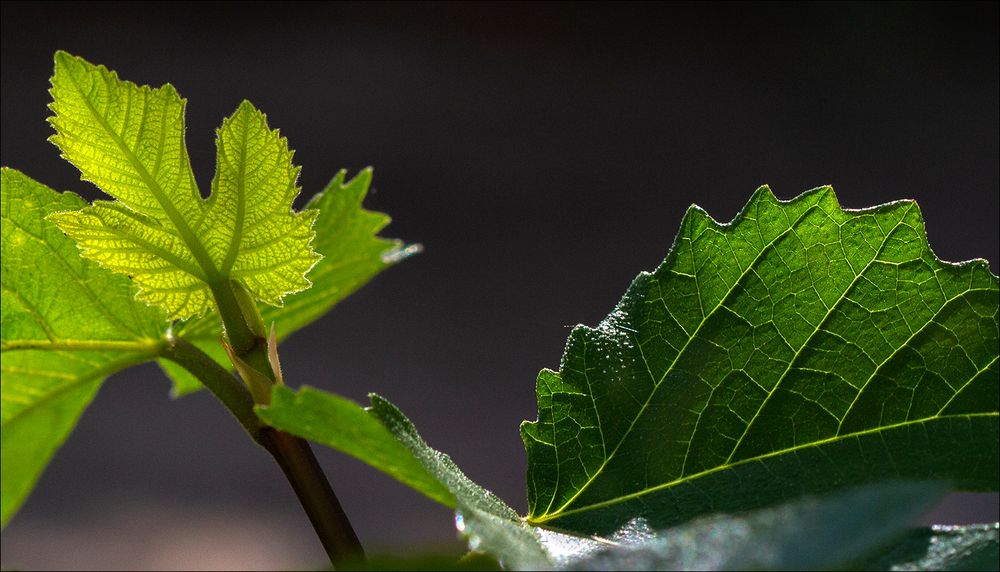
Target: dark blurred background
[544,154]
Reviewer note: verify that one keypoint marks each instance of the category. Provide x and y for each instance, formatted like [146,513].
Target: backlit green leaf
[342,424]
[129,141]
[352,255]
[67,325]
[799,348]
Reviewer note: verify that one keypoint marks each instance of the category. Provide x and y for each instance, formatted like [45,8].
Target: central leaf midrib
[765,248]
[107,369]
[713,470]
[194,245]
[237,239]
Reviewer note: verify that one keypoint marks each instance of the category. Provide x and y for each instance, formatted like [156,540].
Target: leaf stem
[244,331]
[243,326]
[233,394]
[328,518]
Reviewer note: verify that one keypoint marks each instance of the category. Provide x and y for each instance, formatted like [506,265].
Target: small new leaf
[129,141]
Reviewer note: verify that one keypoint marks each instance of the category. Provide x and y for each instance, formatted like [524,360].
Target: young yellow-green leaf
[250,229]
[67,324]
[799,348]
[352,255]
[129,141]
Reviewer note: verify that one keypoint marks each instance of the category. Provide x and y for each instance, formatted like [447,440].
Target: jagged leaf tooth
[799,348]
[129,141]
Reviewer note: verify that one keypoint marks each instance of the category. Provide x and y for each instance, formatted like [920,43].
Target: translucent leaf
[250,228]
[799,348]
[352,256]
[67,324]
[129,141]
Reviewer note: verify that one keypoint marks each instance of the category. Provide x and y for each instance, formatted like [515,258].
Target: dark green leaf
[799,348]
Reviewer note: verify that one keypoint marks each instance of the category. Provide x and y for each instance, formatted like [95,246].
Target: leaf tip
[63,58]
[363,178]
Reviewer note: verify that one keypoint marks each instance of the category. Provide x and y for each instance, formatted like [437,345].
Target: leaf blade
[385,439]
[250,224]
[129,141]
[680,381]
[67,325]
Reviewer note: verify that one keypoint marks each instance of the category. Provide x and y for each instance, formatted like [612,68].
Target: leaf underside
[797,349]
[940,547]
[834,532]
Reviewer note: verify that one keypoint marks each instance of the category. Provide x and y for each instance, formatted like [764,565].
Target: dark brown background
[543,154]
